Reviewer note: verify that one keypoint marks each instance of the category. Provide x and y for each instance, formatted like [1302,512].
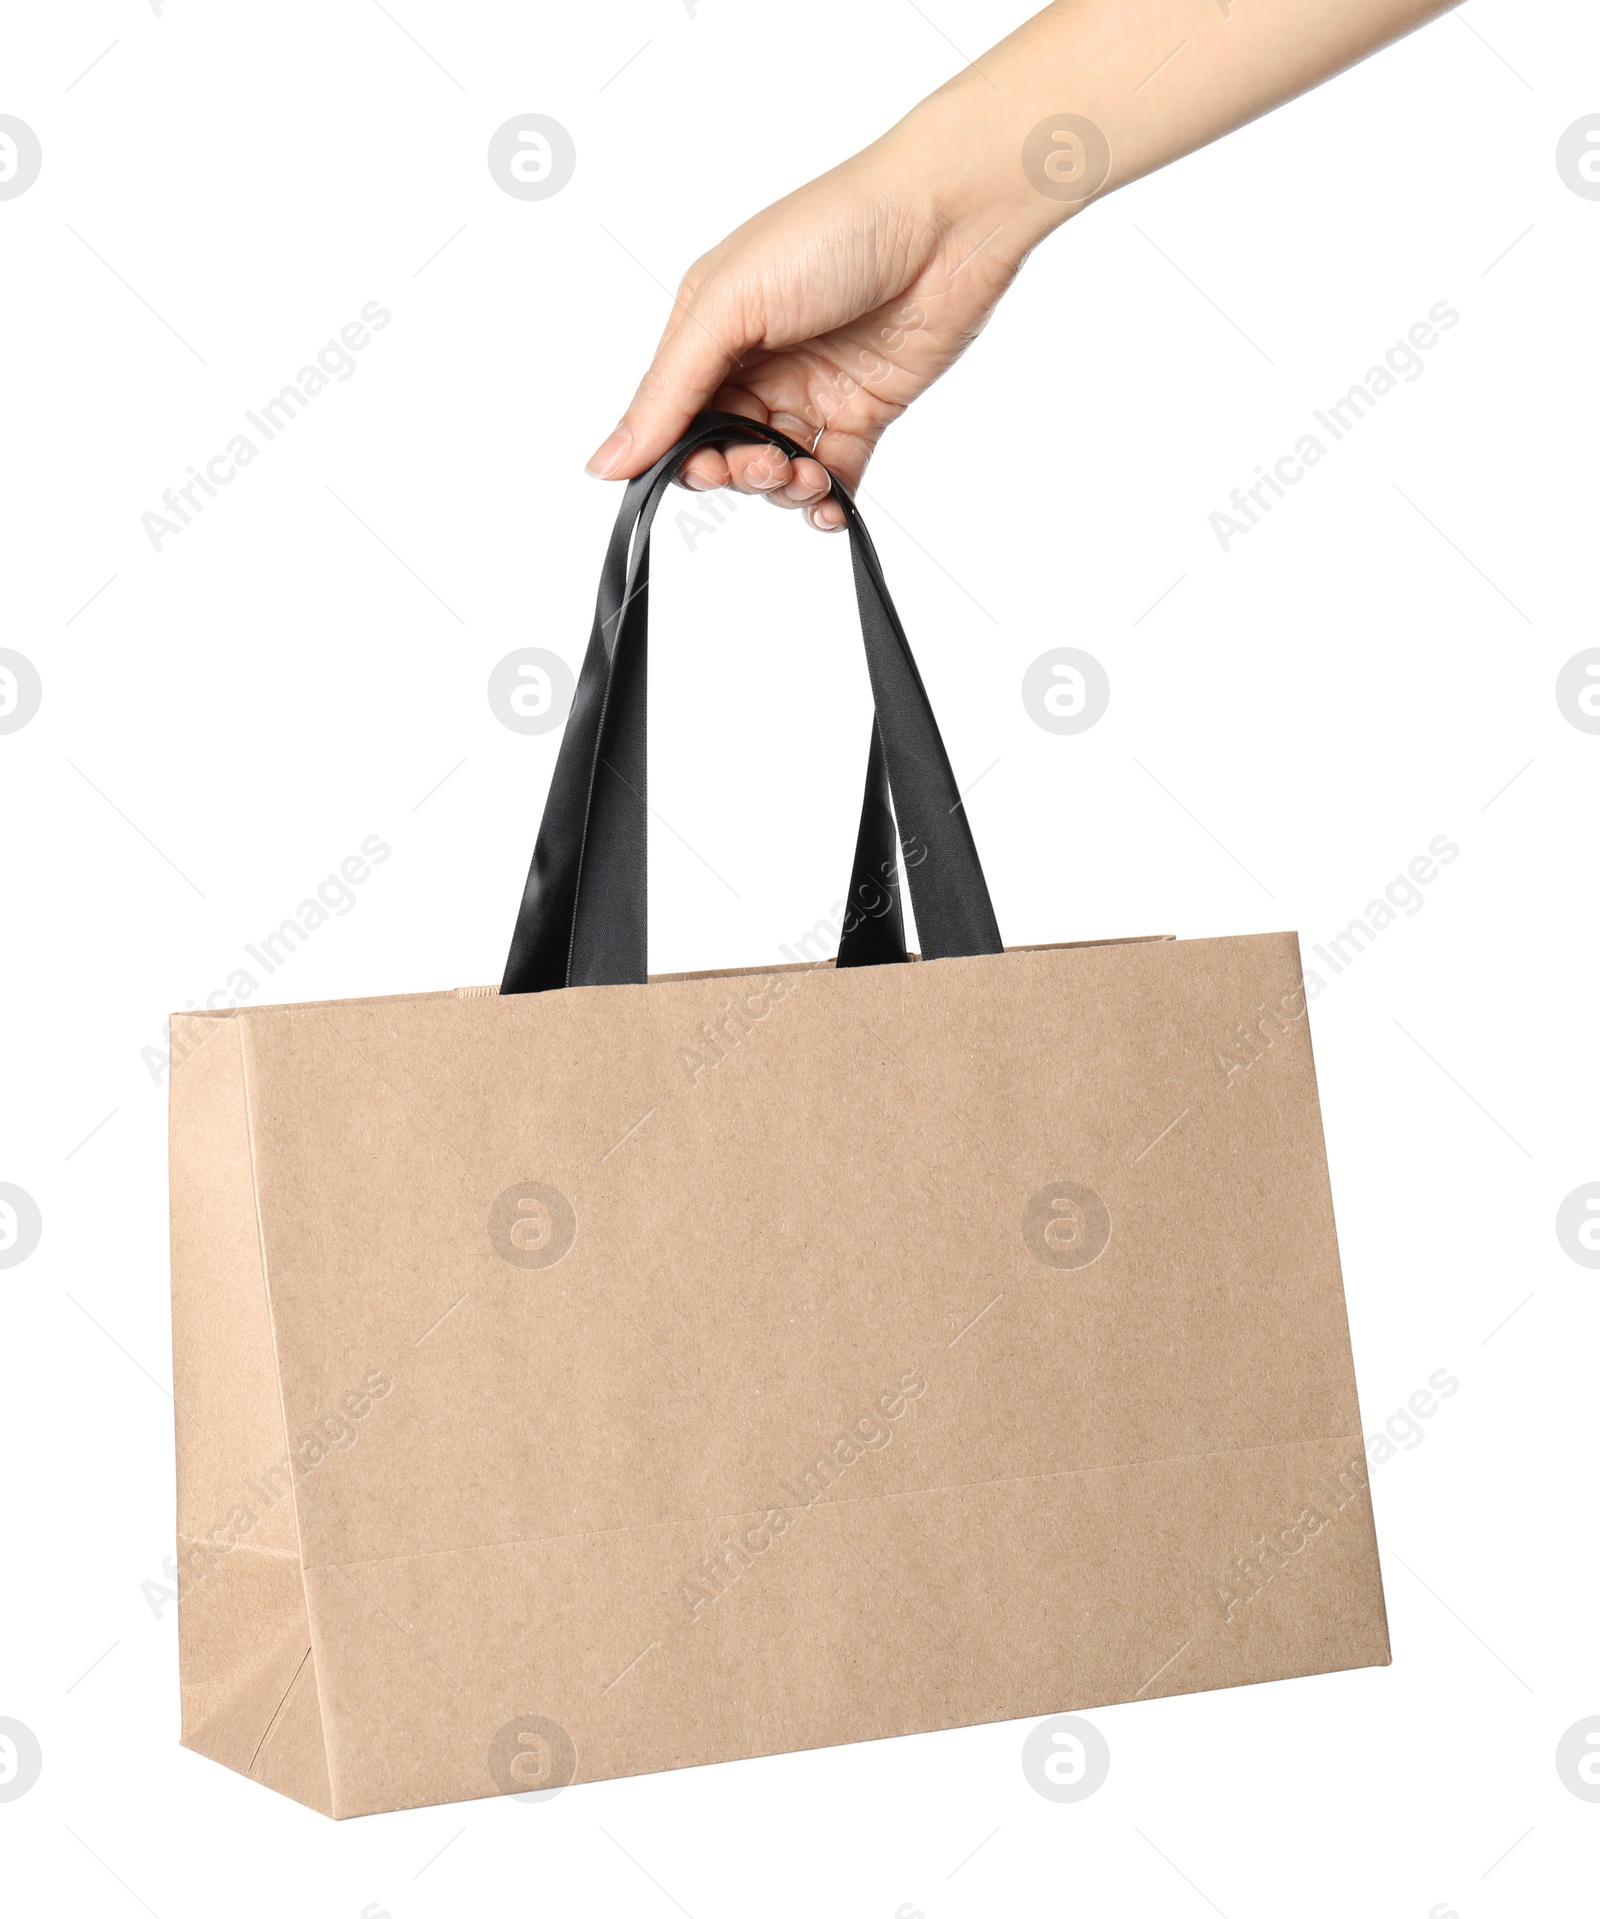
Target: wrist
[988,166]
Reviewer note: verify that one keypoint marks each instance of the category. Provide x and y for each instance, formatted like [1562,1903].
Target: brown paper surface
[623,1378]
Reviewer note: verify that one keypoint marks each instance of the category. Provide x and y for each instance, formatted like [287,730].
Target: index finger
[695,357]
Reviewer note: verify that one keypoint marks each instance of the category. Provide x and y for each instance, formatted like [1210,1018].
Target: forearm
[1157,78]
[831,311]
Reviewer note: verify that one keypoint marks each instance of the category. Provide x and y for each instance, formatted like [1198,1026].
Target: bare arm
[827,314]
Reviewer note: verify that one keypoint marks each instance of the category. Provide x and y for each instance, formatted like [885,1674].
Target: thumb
[698,351]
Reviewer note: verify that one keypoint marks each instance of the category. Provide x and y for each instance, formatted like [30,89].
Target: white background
[1293,722]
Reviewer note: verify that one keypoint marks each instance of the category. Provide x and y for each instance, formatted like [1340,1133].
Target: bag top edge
[469,993]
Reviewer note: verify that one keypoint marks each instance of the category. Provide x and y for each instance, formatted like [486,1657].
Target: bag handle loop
[583,917]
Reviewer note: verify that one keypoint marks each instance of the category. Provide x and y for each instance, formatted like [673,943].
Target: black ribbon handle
[583,918]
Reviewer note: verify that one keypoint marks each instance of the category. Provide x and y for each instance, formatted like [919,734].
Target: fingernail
[610,455]
[699,483]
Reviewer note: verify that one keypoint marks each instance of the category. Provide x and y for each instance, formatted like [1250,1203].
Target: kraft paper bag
[601,1374]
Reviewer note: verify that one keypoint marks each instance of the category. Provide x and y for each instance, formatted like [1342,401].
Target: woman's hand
[824,316]
[829,313]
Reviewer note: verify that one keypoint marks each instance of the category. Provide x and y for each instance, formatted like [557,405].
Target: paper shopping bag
[601,1374]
